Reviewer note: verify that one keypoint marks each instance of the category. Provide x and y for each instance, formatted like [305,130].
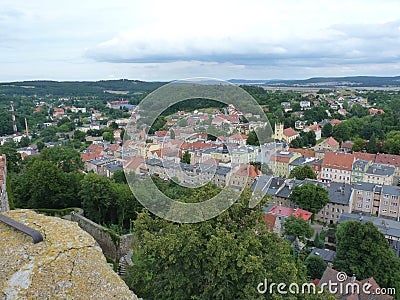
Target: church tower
[278,131]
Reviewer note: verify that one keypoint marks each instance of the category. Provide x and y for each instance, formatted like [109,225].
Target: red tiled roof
[238,137]
[270,221]
[331,142]
[248,170]
[95,148]
[335,121]
[196,146]
[337,160]
[279,158]
[89,156]
[162,133]
[314,127]
[388,159]
[289,132]
[134,163]
[304,152]
[288,211]
[374,111]
[347,145]
[114,147]
[364,156]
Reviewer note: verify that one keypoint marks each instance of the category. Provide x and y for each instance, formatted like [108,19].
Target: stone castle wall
[113,245]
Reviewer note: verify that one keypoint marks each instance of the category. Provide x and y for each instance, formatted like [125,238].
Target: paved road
[317,229]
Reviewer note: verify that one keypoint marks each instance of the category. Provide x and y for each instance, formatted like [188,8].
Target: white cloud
[175,39]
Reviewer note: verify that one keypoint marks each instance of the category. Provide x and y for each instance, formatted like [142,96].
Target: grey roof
[365,186]
[391,190]
[339,193]
[222,170]
[326,254]
[267,184]
[386,226]
[114,167]
[288,187]
[101,161]
[153,162]
[381,170]
[301,161]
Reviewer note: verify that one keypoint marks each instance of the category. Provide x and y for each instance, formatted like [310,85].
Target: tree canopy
[315,266]
[222,258]
[303,172]
[363,250]
[298,227]
[310,197]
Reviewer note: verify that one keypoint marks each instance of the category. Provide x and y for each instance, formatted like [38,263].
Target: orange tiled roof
[89,156]
[289,132]
[134,163]
[331,142]
[388,159]
[304,152]
[238,137]
[337,160]
[248,170]
[364,156]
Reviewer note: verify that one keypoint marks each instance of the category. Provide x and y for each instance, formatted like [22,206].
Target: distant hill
[131,87]
[351,81]
[78,88]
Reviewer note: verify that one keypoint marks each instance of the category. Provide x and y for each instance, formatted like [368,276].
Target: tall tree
[98,199]
[222,258]
[303,172]
[364,251]
[372,144]
[298,227]
[315,266]
[186,157]
[66,158]
[359,145]
[327,130]
[310,197]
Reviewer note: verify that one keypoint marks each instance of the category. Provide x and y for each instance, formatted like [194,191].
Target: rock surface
[66,265]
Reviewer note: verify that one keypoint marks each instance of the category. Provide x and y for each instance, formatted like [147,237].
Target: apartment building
[380,174]
[366,197]
[359,169]
[281,161]
[337,167]
[340,201]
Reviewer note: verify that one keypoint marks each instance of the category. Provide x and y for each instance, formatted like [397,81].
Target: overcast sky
[166,40]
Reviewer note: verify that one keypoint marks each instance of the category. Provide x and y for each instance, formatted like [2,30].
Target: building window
[394,197]
[386,196]
[367,206]
[384,210]
[393,203]
[359,205]
[385,203]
